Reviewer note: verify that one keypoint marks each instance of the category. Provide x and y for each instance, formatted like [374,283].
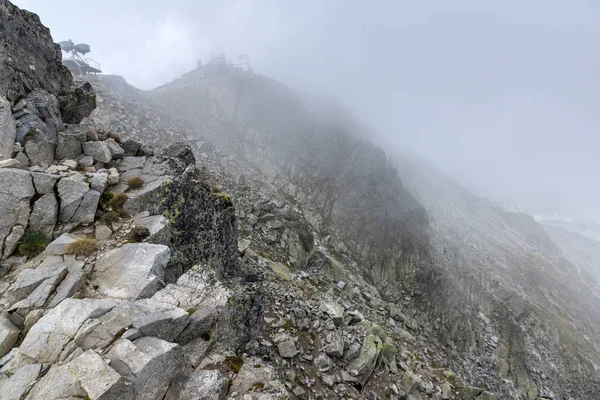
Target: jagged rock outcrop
[203,227]
[30,58]
[36,87]
[344,184]
[77,104]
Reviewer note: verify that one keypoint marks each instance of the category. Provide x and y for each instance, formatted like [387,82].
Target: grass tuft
[135,182]
[31,134]
[288,325]
[138,234]
[91,136]
[111,216]
[116,136]
[118,201]
[32,244]
[235,363]
[83,247]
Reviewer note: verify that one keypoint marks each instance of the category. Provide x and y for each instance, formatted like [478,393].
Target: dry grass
[91,136]
[83,247]
[135,182]
[118,201]
[116,136]
[111,216]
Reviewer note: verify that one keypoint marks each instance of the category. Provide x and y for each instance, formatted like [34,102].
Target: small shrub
[91,136]
[288,325]
[258,385]
[33,244]
[116,136]
[206,336]
[105,199]
[235,363]
[118,201]
[225,197]
[83,247]
[135,182]
[31,134]
[80,167]
[138,234]
[111,216]
[191,310]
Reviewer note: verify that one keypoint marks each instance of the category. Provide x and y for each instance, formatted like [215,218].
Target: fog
[502,95]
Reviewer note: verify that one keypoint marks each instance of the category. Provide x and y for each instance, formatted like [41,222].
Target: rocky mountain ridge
[275,255]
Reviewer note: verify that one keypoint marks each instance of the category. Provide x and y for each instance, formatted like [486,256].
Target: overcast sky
[503,95]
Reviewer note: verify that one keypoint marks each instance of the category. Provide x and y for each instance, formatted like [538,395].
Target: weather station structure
[217,66]
[74,60]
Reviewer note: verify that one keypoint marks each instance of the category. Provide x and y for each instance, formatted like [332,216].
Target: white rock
[28,280]
[334,310]
[287,348]
[58,383]
[70,284]
[113,176]
[44,214]
[98,379]
[103,232]
[199,384]
[98,181]
[16,190]
[11,162]
[115,148]
[98,150]
[59,246]
[71,191]
[20,382]
[40,295]
[128,163]
[152,362]
[133,271]
[9,334]
[12,240]
[44,183]
[46,339]
[87,208]
[70,163]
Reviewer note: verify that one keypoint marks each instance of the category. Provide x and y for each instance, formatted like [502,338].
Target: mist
[503,96]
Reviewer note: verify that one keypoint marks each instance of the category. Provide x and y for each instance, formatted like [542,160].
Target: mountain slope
[348,182]
[492,294]
[508,267]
